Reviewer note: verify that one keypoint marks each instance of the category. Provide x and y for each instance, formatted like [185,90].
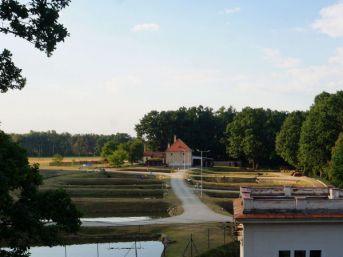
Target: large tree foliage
[336,173]
[24,210]
[10,75]
[201,127]
[319,133]
[287,140]
[37,22]
[251,135]
[135,149]
[113,143]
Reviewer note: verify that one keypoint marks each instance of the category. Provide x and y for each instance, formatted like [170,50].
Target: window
[300,253]
[284,253]
[315,253]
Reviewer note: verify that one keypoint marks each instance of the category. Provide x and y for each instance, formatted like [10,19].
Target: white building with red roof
[179,154]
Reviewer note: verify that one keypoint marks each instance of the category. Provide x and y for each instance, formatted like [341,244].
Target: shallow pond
[125,249]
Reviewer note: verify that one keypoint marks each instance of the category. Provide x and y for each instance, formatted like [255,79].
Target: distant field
[106,194]
[45,162]
[75,163]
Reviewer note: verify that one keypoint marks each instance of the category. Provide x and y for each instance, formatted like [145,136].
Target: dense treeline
[46,144]
[248,135]
[200,127]
[251,136]
[312,141]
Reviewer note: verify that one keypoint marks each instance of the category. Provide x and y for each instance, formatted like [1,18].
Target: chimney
[174,138]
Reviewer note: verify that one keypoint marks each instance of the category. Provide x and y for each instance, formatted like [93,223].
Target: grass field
[76,163]
[114,194]
[45,161]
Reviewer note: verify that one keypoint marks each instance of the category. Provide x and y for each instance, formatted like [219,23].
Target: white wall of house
[266,240]
[179,159]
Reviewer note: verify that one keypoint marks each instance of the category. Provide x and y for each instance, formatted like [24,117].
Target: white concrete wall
[266,240]
[177,159]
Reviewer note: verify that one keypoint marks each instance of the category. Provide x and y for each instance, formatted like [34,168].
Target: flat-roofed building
[289,222]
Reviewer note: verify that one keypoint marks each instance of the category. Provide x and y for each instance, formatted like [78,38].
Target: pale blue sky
[127,57]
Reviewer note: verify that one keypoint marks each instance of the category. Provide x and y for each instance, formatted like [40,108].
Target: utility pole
[201,164]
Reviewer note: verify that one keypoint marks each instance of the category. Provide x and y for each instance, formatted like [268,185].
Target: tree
[10,75]
[135,150]
[24,210]
[319,133]
[251,135]
[36,22]
[337,162]
[108,149]
[287,140]
[118,157]
[57,158]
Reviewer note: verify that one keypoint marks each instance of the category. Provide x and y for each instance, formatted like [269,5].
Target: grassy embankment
[114,194]
[221,184]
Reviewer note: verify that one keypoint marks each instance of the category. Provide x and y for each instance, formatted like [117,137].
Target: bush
[57,158]
[118,157]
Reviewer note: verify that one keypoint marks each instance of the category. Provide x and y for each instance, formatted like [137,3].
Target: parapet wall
[290,199]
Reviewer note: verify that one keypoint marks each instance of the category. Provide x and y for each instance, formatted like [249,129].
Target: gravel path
[194,210]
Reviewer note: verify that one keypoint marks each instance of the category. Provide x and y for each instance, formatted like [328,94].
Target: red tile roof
[179,146]
[241,217]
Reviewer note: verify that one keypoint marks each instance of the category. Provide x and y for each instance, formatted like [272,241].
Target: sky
[125,58]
